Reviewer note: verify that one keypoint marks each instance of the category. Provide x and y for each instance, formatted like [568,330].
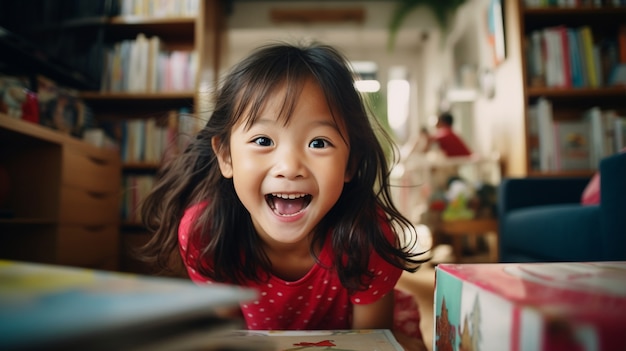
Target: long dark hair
[231,250]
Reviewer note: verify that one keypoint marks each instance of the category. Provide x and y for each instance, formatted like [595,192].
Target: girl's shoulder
[188,221]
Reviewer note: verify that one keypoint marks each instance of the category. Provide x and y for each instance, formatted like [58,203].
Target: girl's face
[288,176]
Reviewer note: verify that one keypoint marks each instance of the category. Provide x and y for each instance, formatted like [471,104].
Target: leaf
[441,9]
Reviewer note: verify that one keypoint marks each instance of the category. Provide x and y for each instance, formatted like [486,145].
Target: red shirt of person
[449,142]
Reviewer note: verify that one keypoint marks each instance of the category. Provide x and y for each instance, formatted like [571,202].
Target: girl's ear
[350,170]
[223,158]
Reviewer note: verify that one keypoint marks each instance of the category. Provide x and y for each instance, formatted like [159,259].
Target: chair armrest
[524,192]
[568,232]
[612,202]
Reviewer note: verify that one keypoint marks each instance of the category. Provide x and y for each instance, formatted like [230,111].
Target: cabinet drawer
[88,246]
[94,173]
[80,206]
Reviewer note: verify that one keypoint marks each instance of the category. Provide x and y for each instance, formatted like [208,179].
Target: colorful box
[530,306]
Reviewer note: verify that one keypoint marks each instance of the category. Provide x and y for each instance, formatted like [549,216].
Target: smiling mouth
[288,204]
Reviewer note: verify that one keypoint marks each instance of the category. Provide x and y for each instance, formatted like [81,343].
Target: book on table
[304,340]
[48,307]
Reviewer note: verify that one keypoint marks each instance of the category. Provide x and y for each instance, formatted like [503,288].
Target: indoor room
[488,136]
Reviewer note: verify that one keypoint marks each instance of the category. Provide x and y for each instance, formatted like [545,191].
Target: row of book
[142,65]
[146,140]
[159,8]
[573,3]
[568,57]
[577,144]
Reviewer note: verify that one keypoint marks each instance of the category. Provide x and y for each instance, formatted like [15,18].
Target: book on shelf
[150,139]
[164,8]
[545,130]
[620,133]
[138,64]
[605,132]
[564,57]
[577,72]
[136,188]
[49,307]
[598,127]
[155,47]
[144,65]
[573,144]
[588,56]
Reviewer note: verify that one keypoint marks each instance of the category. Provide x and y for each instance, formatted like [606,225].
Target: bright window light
[398,102]
[367,86]
[364,67]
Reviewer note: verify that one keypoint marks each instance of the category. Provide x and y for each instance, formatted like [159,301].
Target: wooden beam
[317,15]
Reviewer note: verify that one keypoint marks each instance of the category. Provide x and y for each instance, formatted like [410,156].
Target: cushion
[591,194]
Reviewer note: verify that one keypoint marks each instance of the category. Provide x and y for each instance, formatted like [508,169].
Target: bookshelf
[169,110]
[569,82]
[140,95]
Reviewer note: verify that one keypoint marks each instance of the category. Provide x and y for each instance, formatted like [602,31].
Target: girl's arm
[379,315]
[376,315]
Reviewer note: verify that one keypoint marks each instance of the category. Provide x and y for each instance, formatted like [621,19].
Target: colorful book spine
[587,42]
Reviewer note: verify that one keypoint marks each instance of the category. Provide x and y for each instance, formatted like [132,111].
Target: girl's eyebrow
[265,120]
[272,121]
[327,123]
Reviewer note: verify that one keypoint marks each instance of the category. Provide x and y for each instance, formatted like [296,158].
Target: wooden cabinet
[62,201]
[560,94]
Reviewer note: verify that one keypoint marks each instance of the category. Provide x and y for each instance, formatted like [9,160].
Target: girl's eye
[263,141]
[319,144]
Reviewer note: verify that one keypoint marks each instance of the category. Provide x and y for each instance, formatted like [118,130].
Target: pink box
[530,306]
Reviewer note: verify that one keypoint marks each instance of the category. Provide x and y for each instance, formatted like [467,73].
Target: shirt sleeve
[188,250]
[385,274]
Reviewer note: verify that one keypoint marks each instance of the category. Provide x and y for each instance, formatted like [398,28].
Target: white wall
[498,121]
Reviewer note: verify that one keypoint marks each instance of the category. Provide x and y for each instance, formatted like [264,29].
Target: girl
[286,190]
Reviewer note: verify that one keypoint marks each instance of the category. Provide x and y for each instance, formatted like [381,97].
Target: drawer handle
[95,227]
[97,160]
[97,195]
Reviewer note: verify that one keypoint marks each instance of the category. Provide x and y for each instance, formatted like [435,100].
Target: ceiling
[250,24]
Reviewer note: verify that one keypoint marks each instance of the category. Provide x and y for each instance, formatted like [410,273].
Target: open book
[337,340]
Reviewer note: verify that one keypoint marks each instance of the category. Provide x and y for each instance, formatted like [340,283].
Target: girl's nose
[290,164]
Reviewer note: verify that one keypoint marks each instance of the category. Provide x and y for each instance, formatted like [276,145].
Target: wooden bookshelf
[568,102]
[186,33]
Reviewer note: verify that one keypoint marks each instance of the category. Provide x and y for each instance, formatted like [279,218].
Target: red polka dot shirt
[315,301]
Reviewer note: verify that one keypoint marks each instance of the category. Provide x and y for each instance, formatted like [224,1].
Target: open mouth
[288,204]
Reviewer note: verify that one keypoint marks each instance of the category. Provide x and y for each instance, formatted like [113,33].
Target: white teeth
[289,196]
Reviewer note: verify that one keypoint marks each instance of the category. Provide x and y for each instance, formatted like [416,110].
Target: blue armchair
[542,219]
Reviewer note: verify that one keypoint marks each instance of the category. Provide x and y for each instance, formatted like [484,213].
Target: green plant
[442,9]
